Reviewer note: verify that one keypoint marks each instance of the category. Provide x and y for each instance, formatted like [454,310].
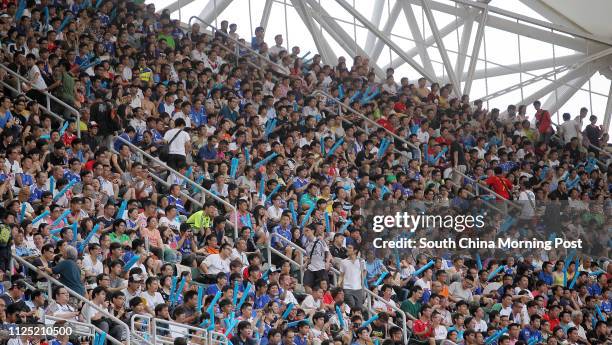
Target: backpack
[5,235]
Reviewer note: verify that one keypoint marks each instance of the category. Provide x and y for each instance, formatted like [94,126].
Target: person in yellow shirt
[203,219]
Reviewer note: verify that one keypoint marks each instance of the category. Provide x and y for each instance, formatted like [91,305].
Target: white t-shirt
[152,301]
[89,266]
[352,274]
[387,307]
[527,199]
[36,78]
[310,303]
[178,145]
[215,264]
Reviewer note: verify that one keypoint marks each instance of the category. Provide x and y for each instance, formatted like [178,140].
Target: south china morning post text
[459,223]
[477,229]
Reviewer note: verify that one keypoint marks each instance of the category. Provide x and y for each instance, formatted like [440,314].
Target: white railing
[83,329]
[52,281]
[188,180]
[371,296]
[160,180]
[369,121]
[49,97]
[147,327]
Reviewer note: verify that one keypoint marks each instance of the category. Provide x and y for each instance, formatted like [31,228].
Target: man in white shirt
[179,144]
[91,264]
[352,269]
[312,302]
[151,295]
[527,200]
[34,74]
[198,53]
[215,263]
[569,128]
[277,48]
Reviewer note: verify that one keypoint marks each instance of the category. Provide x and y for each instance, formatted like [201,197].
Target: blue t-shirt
[5,119]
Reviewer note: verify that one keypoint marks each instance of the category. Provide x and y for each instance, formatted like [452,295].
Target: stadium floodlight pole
[475,52]
[393,15]
[363,20]
[377,11]
[418,37]
[321,43]
[441,48]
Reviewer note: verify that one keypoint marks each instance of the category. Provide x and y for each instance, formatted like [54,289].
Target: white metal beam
[417,36]
[441,48]
[569,76]
[452,26]
[475,52]
[378,47]
[552,15]
[524,67]
[554,102]
[385,39]
[376,16]
[498,22]
[213,9]
[526,19]
[265,15]
[608,114]
[337,32]
[524,83]
[464,44]
[175,5]
[327,54]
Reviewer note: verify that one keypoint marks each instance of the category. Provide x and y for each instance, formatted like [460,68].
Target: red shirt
[553,322]
[500,185]
[385,123]
[419,326]
[543,118]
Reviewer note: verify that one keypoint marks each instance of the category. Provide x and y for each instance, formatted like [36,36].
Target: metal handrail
[486,202]
[367,119]
[152,322]
[300,249]
[89,326]
[164,182]
[271,250]
[53,281]
[49,96]
[185,178]
[509,202]
[402,314]
[245,46]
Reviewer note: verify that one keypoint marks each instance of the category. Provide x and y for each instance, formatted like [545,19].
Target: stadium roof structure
[501,51]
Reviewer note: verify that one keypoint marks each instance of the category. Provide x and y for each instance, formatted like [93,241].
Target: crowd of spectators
[298,169]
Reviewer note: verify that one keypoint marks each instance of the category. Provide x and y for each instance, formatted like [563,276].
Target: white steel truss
[586,55]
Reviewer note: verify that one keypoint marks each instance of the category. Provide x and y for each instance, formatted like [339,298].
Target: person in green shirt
[166,35]
[203,219]
[412,306]
[118,234]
